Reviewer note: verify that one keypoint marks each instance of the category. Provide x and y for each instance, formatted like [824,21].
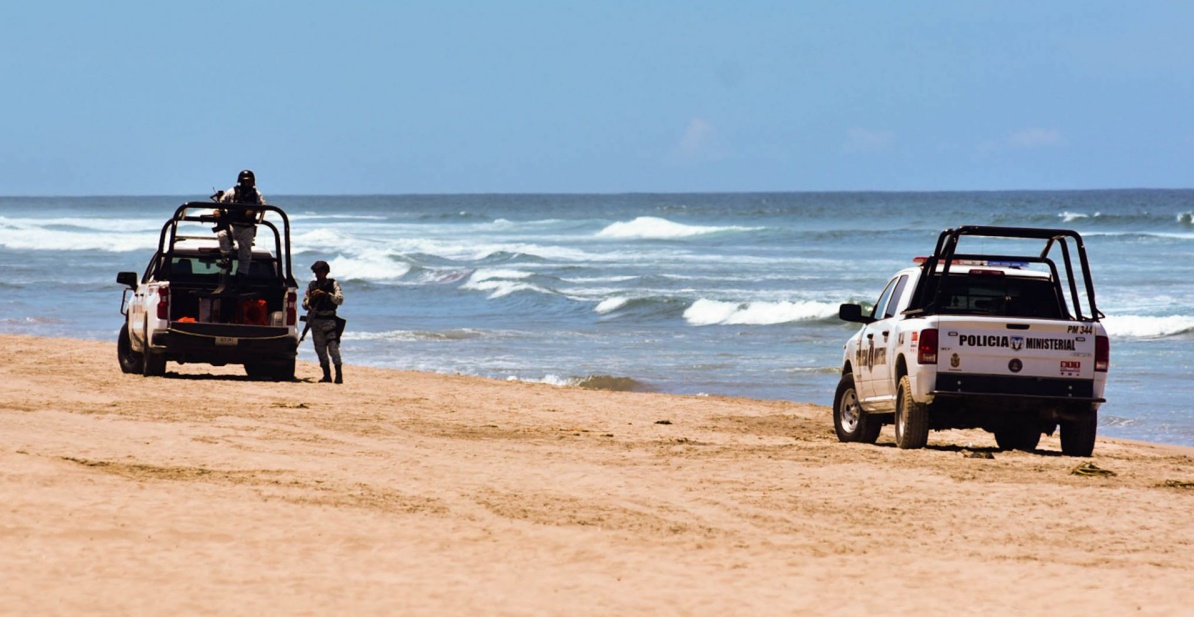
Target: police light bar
[978,262]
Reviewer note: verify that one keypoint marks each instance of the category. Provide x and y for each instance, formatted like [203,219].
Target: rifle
[311,303]
[306,319]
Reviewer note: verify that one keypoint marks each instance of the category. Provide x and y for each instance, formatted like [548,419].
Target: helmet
[321,266]
[246,177]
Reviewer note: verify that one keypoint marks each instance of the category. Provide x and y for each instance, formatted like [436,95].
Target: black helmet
[321,266]
[246,177]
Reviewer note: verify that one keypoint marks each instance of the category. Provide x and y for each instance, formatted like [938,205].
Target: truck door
[881,339]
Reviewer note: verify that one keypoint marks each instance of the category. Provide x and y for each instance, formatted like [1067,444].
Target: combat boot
[339,375]
[327,374]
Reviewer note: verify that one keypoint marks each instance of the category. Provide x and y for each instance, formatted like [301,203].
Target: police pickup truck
[186,308]
[999,340]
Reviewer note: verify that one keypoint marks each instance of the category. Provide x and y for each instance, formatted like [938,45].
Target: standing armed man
[239,224]
[322,298]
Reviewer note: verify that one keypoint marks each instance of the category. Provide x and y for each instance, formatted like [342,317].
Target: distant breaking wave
[1136,326]
[713,312]
[655,228]
[500,282]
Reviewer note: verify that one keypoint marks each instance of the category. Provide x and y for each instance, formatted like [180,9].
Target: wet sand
[401,493]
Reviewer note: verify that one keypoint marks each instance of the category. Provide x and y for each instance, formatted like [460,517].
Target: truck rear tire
[1078,436]
[849,421]
[131,362]
[911,419]
[282,371]
[154,364]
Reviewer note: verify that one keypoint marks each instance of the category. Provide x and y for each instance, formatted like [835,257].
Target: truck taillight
[1102,354]
[291,308]
[163,302]
[926,350]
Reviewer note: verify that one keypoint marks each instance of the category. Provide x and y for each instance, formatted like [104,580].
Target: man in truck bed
[238,225]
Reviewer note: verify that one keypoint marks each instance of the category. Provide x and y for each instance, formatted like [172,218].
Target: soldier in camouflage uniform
[322,297]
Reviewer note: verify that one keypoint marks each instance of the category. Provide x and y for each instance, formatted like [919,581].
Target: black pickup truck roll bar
[946,253]
[189,213]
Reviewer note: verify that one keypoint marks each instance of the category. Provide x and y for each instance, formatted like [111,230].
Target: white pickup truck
[183,309]
[999,340]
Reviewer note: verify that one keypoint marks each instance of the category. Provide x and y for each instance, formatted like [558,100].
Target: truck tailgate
[1024,356]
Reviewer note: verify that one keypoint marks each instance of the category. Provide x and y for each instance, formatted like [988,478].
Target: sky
[611,96]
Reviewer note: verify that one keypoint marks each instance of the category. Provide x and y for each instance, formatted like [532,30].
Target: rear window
[1008,296]
[202,268]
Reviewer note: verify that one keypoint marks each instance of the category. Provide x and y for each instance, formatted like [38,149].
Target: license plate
[226,340]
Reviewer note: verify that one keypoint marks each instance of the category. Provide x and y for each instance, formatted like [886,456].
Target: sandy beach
[400,493]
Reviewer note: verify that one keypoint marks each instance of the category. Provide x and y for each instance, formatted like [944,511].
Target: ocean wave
[407,336]
[610,305]
[1137,326]
[501,282]
[306,216]
[714,312]
[76,234]
[655,228]
[30,321]
[368,265]
[1070,217]
[591,382]
[642,307]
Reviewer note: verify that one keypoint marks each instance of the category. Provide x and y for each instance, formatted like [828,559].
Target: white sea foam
[500,282]
[1137,326]
[369,265]
[318,240]
[549,379]
[610,305]
[1070,217]
[655,228]
[488,274]
[598,279]
[710,312]
[307,216]
[78,234]
[410,336]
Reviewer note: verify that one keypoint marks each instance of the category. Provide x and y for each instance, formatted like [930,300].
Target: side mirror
[853,313]
[128,279]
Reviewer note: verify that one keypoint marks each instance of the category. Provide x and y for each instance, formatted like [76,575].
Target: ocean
[715,294]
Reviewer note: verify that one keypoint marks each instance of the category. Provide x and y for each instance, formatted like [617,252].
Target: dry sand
[399,493]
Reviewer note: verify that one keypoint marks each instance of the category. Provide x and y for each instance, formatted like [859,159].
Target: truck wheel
[849,421]
[1019,434]
[1078,436]
[154,364]
[911,419]
[130,361]
[282,371]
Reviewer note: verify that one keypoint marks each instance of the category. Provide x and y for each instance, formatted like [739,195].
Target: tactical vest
[243,196]
[323,307]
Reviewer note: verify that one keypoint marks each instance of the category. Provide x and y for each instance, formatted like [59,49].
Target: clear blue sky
[444,96]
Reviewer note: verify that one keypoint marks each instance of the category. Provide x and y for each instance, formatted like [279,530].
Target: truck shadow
[975,452]
[209,377]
